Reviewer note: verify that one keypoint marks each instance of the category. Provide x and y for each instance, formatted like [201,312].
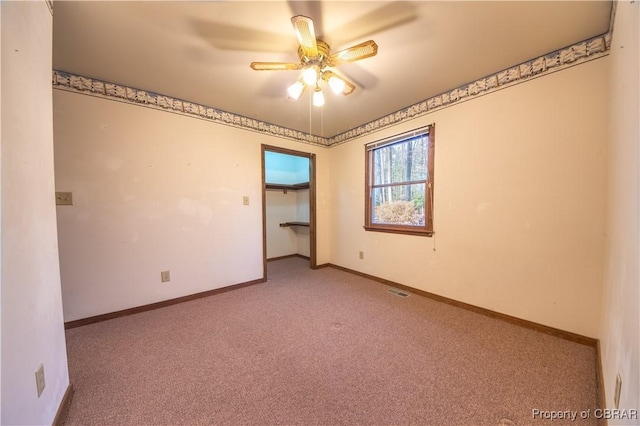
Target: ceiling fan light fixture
[316,61]
[318,97]
[336,84]
[295,90]
[310,76]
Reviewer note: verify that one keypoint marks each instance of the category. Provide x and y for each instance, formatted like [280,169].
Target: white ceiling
[201,51]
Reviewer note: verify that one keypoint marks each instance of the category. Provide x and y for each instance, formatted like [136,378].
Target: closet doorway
[288,205]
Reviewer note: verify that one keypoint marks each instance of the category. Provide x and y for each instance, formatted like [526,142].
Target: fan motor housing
[323,54]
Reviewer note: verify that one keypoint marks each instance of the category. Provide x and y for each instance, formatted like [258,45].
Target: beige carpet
[322,347]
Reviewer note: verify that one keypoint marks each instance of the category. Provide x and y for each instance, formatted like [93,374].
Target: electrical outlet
[616,395]
[64,199]
[245,200]
[165,276]
[361,255]
[40,379]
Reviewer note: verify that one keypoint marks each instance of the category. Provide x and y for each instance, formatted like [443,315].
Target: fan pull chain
[310,112]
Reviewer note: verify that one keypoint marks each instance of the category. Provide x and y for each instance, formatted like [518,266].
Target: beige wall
[157,191]
[620,330]
[290,207]
[519,215]
[303,239]
[280,207]
[31,306]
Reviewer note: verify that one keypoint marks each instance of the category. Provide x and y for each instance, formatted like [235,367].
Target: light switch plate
[64,199]
[617,390]
[40,380]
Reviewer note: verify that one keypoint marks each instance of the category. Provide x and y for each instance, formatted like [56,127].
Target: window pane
[399,205]
[401,162]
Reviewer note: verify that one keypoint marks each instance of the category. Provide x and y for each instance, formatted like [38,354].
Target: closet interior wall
[287,205]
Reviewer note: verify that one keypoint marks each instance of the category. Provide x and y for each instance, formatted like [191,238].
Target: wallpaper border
[578,53]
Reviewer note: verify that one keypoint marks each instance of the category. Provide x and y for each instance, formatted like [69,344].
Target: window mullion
[411,182]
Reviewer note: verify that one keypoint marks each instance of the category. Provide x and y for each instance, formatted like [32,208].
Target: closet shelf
[283,225]
[284,187]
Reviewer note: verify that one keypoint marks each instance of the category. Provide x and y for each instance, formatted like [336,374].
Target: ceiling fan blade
[389,16]
[348,87]
[232,37]
[313,9]
[306,34]
[275,66]
[355,53]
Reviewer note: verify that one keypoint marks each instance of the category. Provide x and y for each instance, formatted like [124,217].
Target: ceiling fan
[317,62]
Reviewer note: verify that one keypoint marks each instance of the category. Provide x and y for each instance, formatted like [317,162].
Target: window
[399,183]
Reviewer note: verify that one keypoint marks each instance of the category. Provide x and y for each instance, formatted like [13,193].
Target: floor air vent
[398,292]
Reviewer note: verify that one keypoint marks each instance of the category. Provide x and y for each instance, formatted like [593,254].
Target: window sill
[394,230]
